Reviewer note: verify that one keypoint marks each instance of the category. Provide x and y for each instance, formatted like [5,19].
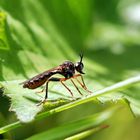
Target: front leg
[83,85]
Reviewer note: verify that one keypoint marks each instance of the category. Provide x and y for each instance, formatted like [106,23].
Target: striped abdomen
[38,80]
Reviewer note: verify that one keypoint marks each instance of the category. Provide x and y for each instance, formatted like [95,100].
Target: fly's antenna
[81,57]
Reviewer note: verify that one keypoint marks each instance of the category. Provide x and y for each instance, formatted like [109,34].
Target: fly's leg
[64,79]
[53,79]
[83,85]
[41,90]
[46,93]
[76,87]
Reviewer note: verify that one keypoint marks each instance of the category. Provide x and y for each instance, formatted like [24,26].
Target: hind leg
[53,79]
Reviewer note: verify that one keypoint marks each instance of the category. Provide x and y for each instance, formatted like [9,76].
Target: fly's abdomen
[40,79]
[36,81]
[32,84]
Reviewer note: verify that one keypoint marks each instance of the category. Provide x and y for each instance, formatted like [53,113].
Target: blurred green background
[36,35]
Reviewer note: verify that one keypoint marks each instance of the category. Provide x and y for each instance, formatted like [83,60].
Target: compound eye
[81,66]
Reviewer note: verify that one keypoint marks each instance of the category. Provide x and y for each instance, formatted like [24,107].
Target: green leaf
[45,33]
[31,41]
[133,99]
[87,133]
[117,87]
[65,130]
[3,37]
[24,101]
[25,109]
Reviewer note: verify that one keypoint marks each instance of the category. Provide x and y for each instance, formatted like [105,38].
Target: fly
[66,69]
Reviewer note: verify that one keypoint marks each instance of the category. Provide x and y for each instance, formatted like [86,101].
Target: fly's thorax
[68,69]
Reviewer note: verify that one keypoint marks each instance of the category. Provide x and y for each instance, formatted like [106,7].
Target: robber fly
[66,69]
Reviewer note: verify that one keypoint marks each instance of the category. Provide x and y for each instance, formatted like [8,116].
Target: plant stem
[114,88]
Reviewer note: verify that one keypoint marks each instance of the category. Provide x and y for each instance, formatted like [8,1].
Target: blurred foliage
[71,128]
[38,35]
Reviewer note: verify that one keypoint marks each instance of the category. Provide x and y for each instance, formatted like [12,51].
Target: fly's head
[79,65]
